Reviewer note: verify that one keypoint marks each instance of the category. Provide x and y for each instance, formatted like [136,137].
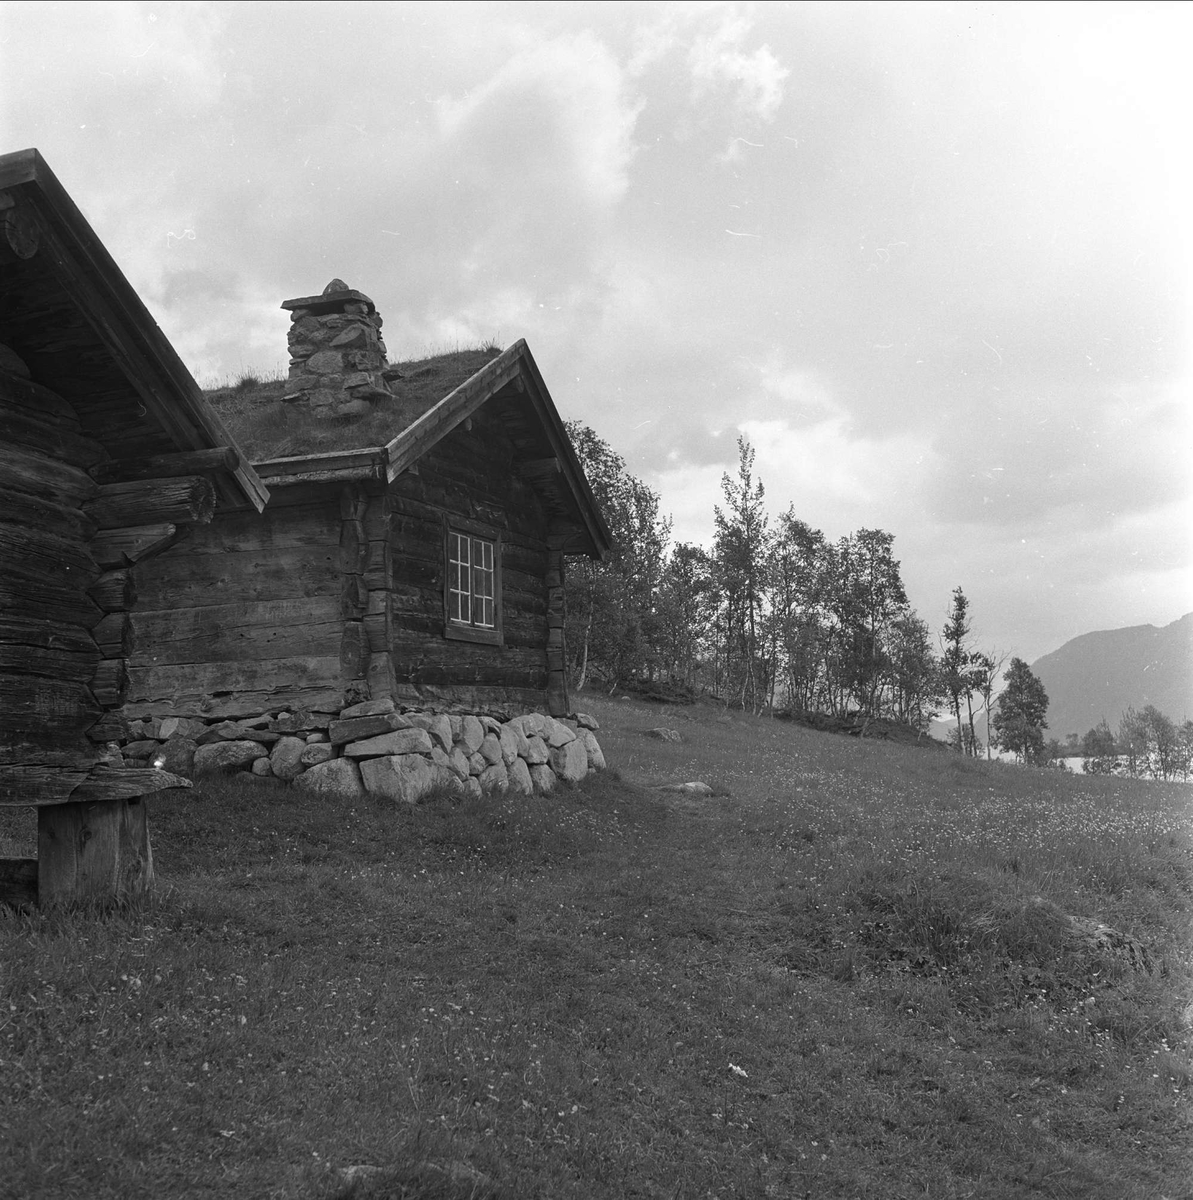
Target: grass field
[857,970]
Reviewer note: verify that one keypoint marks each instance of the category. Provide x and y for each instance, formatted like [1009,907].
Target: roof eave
[120,320]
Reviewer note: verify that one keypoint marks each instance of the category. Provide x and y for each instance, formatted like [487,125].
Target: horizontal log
[41,475]
[39,557]
[47,661]
[39,783]
[191,580]
[280,526]
[113,591]
[321,699]
[65,521]
[124,783]
[279,681]
[249,630]
[27,396]
[48,435]
[18,882]
[44,707]
[165,466]
[249,644]
[186,499]
[114,548]
[56,603]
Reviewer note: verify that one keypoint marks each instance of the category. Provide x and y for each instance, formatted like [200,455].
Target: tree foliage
[1019,713]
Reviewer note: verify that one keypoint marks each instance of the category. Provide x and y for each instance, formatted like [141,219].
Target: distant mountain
[1101,674]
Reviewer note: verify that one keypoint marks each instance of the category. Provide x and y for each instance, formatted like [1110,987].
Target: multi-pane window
[471,581]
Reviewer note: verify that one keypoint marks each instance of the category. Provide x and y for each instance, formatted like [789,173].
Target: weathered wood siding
[48,656]
[242,615]
[470,474]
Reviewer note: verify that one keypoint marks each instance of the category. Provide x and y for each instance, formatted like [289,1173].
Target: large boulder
[367,708]
[519,778]
[513,743]
[536,750]
[339,779]
[178,756]
[437,725]
[400,741]
[596,756]
[472,734]
[543,779]
[403,777]
[218,757]
[570,761]
[558,734]
[494,778]
[367,725]
[285,759]
[490,749]
[316,753]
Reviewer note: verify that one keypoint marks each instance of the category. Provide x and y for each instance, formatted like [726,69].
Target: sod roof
[267,427]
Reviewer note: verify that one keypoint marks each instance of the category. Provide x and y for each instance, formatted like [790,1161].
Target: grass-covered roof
[268,427]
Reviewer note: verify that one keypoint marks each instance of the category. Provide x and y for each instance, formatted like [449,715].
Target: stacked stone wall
[373,748]
[338,364]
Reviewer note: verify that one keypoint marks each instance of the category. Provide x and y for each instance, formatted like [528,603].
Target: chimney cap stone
[333,299]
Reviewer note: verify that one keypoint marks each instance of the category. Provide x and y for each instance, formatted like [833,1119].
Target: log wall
[243,615]
[470,474]
[48,657]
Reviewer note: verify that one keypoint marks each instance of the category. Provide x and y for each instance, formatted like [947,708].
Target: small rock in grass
[695,788]
[261,766]
[663,735]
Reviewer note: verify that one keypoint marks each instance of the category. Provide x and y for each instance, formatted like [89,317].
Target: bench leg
[89,853]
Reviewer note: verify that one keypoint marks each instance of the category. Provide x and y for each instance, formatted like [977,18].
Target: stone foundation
[373,748]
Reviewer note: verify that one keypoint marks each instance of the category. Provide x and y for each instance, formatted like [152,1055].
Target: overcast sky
[932,260]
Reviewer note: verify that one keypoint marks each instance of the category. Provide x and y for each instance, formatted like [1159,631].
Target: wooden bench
[93,849]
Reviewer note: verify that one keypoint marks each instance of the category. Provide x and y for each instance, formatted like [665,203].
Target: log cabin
[413,546]
[108,454]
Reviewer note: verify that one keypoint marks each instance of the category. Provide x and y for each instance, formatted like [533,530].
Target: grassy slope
[845,975]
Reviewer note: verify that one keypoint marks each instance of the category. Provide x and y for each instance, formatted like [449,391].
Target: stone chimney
[337,358]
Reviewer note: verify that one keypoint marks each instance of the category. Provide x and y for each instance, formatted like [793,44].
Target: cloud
[563,106]
[711,40]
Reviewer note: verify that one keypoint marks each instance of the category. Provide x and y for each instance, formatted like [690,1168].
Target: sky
[932,261]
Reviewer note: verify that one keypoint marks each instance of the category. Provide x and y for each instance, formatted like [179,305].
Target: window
[472,596]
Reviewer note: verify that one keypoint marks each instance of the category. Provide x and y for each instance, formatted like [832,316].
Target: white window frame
[472,582]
